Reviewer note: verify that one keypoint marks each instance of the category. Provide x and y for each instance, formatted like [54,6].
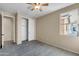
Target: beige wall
[18,28]
[47,28]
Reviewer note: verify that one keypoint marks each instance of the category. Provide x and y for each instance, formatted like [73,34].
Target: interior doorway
[7,31]
[24,29]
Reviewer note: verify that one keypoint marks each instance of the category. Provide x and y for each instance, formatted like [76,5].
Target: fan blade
[46,4]
[33,4]
[29,3]
[32,9]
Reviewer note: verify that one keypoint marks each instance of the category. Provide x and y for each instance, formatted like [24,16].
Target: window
[64,21]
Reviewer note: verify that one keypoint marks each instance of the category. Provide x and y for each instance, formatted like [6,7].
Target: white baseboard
[55,45]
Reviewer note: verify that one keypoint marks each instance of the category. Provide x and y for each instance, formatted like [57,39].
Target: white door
[24,29]
[7,29]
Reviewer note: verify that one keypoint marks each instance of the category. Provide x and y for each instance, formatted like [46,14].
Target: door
[7,30]
[24,29]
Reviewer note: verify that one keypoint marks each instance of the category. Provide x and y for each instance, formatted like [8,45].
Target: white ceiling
[23,8]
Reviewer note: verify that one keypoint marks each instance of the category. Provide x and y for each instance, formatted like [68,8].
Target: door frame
[13,20]
[0,31]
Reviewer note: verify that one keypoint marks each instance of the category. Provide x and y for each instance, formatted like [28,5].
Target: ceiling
[24,9]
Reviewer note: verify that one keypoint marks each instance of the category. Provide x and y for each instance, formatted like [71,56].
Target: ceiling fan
[37,6]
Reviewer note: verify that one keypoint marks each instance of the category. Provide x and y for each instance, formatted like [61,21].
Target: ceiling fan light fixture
[37,7]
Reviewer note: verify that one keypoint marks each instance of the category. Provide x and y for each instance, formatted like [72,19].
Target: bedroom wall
[47,31]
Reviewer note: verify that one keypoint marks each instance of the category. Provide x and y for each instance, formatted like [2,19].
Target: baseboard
[57,46]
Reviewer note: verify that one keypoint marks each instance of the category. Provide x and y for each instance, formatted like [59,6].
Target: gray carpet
[33,48]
